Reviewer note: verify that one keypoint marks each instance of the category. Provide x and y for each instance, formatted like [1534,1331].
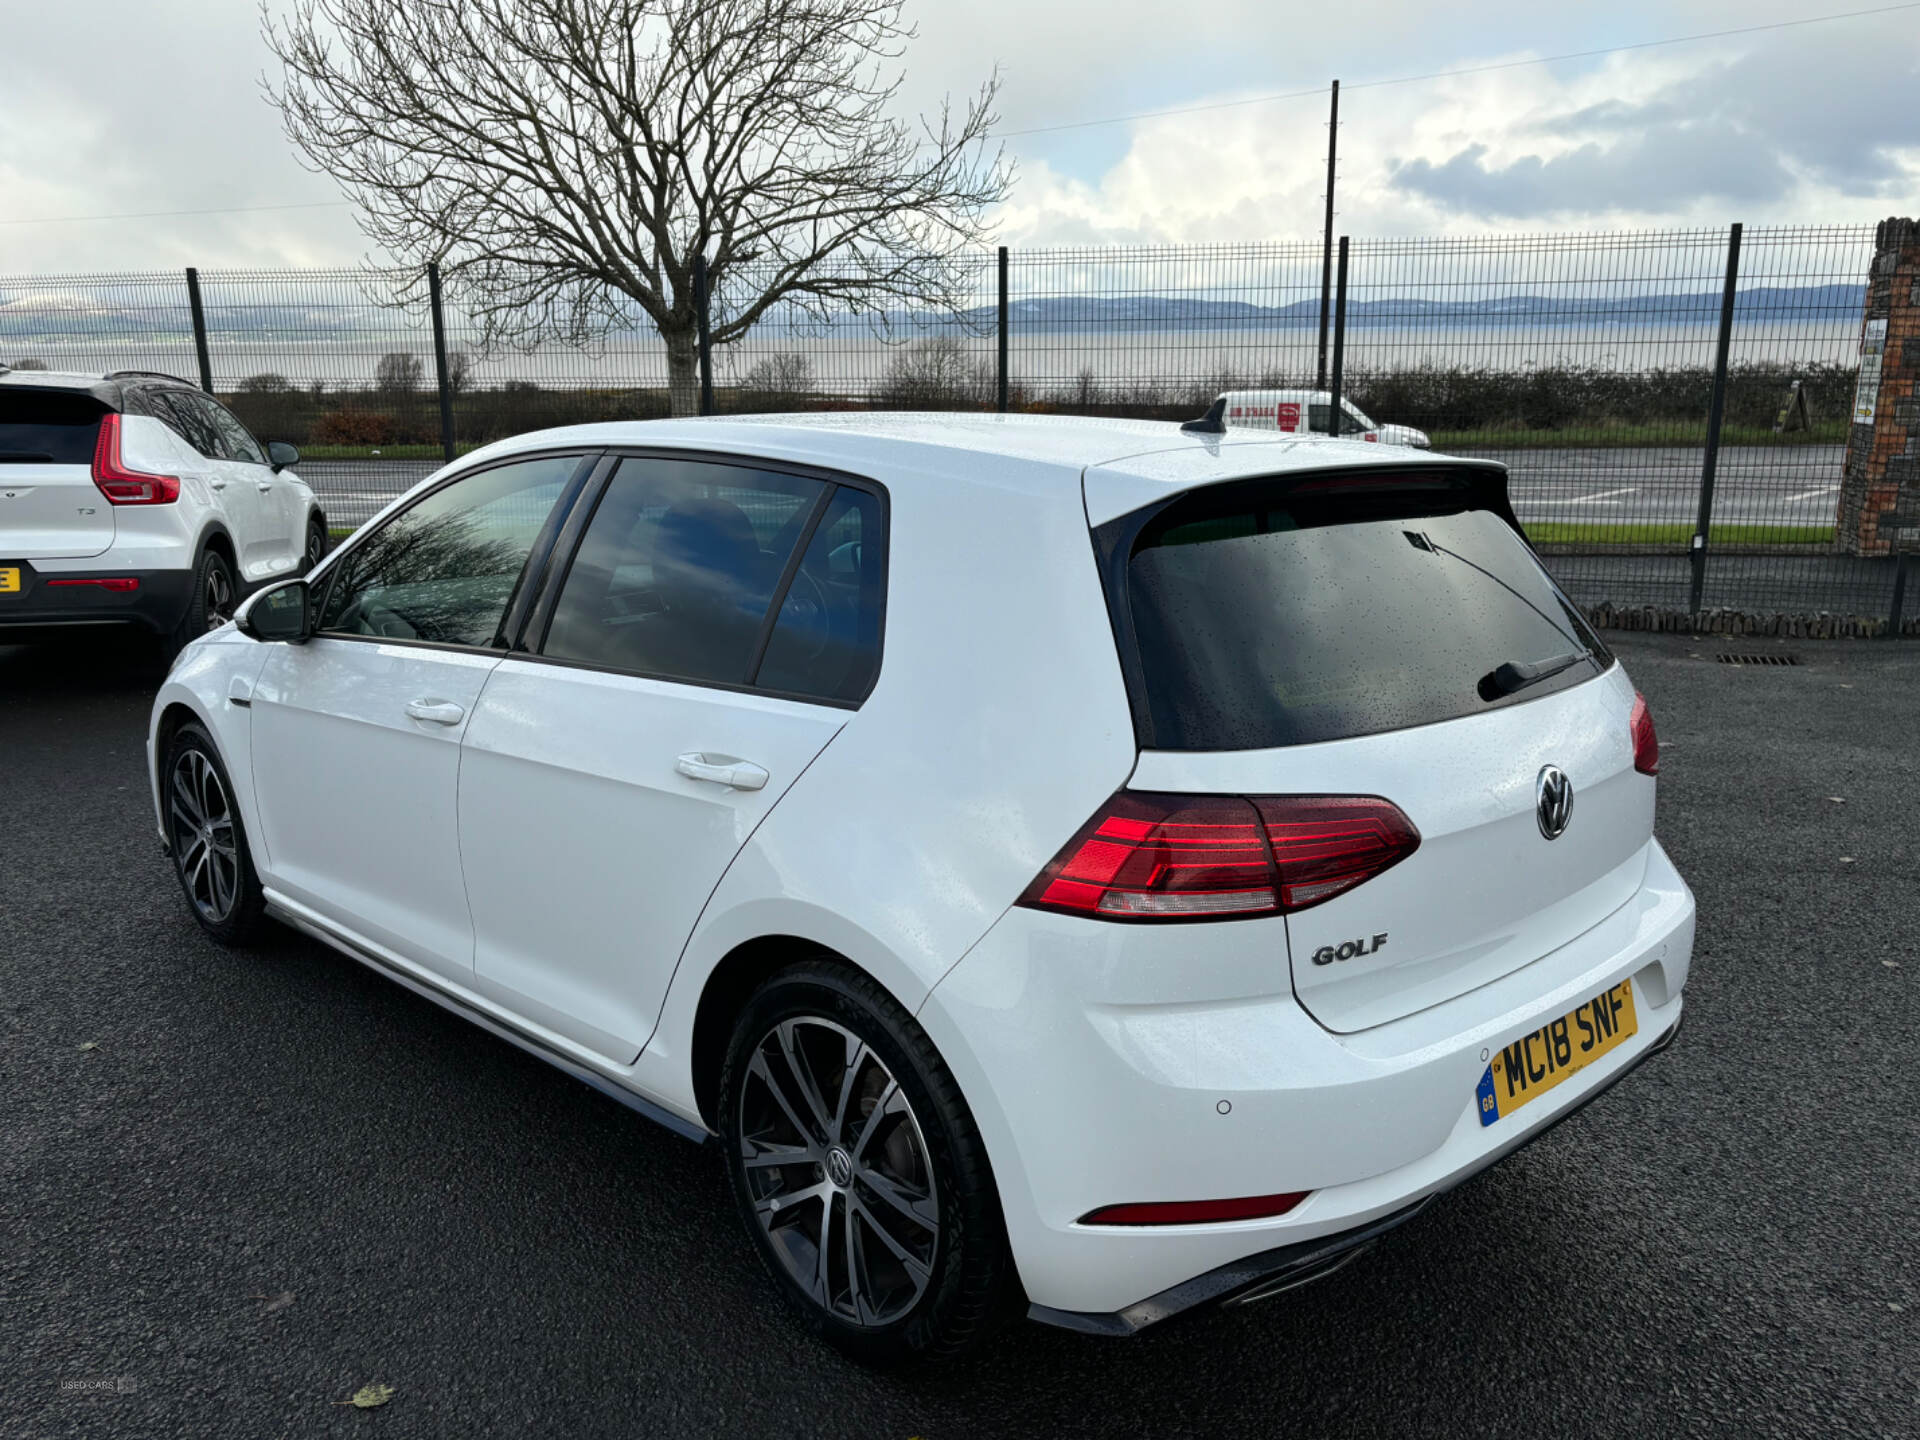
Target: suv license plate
[9,582]
[1534,1064]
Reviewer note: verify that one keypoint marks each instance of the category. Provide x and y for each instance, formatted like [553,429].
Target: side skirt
[493,1024]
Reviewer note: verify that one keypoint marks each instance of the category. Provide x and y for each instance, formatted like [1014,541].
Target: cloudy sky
[122,106]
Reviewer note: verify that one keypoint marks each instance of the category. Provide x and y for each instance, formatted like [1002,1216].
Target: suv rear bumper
[1113,1064]
[158,603]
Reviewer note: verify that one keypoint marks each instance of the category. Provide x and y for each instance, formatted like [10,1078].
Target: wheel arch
[215,537]
[175,714]
[729,986]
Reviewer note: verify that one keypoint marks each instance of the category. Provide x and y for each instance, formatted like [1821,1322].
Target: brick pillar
[1880,485]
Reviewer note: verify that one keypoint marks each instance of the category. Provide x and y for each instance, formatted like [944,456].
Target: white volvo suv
[1095,866]
[134,499]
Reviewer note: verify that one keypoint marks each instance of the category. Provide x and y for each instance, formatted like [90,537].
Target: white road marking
[1598,496]
[1810,494]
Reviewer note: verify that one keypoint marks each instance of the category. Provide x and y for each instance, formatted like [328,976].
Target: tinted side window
[445,569]
[238,444]
[826,642]
[193,422]
[677,568]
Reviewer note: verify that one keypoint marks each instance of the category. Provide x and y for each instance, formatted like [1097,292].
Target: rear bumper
[50,603]
[1123,1064]
[1274,1272]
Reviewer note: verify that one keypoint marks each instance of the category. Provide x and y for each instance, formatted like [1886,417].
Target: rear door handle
[721,770]
[216,484]
[437,712]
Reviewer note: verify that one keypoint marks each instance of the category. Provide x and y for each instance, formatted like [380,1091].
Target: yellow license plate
[9,582]
[1534,1064]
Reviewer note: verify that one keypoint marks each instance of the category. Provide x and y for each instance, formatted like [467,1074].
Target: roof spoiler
[1214,422]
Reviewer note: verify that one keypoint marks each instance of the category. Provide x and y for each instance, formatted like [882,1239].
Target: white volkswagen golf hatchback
[1091,866]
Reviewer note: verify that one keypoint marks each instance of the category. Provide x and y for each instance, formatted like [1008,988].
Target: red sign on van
[1288,417]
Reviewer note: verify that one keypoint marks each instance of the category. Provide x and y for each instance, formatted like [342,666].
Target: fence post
[199,329]
[1897,606]
[1003,329]
[1339,345]
[1716,411]
[440,361]
[706,338]
[1326,242]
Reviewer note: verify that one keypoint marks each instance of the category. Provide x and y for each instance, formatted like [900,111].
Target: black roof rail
[1214,422]
[145,375]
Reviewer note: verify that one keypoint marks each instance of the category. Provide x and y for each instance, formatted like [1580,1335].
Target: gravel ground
[235,1188]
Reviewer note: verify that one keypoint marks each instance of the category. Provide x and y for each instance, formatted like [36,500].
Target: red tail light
[1205,857]
[1195,1212]
[1646,744]
[1324,844]
[120,485]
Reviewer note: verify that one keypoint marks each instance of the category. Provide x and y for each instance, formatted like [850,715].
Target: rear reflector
[107,582]
[121,485]
[1646,744]
[1195,1212]
[1151,856]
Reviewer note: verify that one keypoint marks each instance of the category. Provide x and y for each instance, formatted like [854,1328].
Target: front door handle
[265,488]
[437,712]
[721,770]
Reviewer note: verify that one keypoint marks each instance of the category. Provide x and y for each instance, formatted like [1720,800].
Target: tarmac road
[277,1177]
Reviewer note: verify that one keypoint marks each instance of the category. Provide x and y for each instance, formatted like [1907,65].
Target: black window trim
[1114,540]
[528,644]
[589,463]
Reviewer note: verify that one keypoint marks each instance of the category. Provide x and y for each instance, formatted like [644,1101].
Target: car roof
[1054,450]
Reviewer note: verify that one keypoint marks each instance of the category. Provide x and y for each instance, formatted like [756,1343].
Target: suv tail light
[1207,857]
[1646,744]
[120,485]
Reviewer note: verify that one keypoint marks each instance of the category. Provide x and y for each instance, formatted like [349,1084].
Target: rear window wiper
[1517,675]
[25,457]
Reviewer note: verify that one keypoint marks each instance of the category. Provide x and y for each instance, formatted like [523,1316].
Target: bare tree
[565,160]
[399,373]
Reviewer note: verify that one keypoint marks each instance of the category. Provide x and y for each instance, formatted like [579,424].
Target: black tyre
[208,840]
[315,548]
[858,1169]
[215,597]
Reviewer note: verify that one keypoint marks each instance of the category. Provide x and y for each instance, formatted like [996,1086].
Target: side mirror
[284,612]
[280,455]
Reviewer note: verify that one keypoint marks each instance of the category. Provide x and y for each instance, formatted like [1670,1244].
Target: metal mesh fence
[1586,363]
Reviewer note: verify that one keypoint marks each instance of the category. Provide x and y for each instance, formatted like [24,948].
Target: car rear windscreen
[1269,614]
[48,427]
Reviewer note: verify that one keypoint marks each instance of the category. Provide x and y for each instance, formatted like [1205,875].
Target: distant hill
[1079,312]
[26,316]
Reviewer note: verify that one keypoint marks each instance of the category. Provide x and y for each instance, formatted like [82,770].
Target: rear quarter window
[1266,613]
[48,427]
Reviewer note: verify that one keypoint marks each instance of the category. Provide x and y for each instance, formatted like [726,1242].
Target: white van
[1308,410]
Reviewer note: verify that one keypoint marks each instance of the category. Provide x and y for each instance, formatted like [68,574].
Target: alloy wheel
[203,836]
[838,1171]
[316,543]
[219,597]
